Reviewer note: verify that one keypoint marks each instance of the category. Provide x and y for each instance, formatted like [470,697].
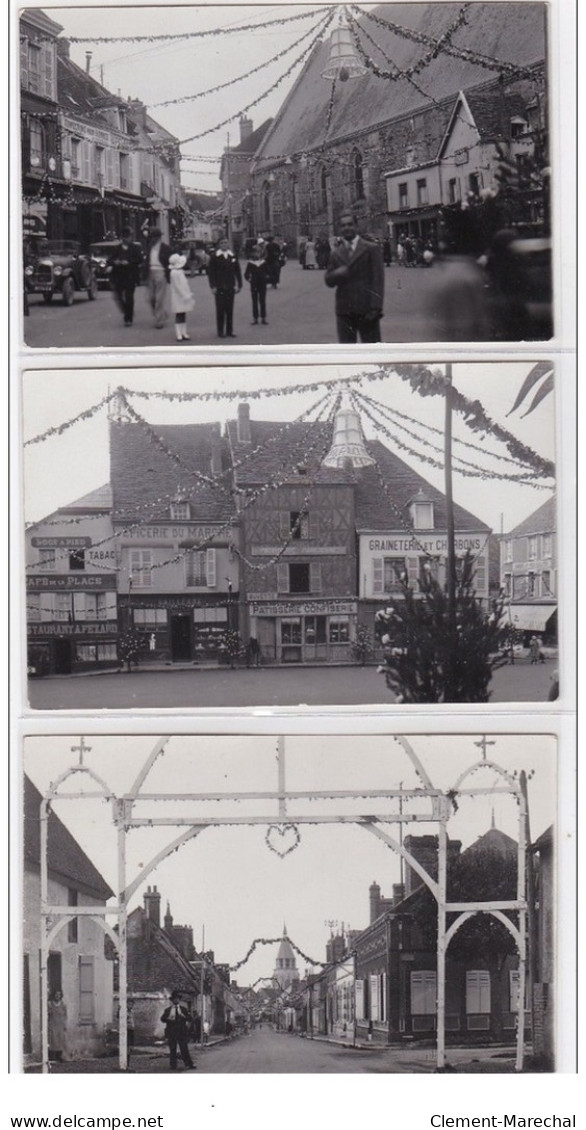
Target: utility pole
[201,986]
[228,193]
[451,550]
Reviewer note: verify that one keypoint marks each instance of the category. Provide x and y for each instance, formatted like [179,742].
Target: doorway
[181,638]
[62,653]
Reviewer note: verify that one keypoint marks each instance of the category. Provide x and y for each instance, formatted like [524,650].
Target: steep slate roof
[67,861]
[141,473]
[492,107]
[511,32]
[98,499]
[252,142]
[286,454]
[542,521]
[154,962]
[80,93]
[373,509]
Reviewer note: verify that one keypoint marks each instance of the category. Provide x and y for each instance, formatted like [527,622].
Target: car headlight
[58,270]
[29,271]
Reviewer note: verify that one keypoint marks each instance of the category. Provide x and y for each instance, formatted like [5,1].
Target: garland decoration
[316,28]
[197,34]
[272,942]
[282,830]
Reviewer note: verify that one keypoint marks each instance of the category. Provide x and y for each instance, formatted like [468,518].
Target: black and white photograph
[291,536]
[280,903]
[287,175]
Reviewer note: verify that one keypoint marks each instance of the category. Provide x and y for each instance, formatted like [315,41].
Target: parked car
[59,267]
[100,253]
[197,256]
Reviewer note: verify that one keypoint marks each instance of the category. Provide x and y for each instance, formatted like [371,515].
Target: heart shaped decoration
[282,838]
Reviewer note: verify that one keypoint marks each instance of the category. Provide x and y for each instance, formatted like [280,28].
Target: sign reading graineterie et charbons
[304,608]
[71,583]
[80,628]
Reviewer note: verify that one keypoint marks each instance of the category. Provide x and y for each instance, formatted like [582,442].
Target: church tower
[285,972]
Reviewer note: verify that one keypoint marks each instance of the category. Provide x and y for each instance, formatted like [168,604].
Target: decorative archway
[431,805]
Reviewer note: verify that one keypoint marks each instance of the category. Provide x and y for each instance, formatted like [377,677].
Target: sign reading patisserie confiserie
[303,608]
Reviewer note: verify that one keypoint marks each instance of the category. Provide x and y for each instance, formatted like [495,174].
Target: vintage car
[100,253]
[58,267]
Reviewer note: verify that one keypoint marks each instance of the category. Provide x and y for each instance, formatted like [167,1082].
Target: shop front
[71,623]
[304,631]
[180,629]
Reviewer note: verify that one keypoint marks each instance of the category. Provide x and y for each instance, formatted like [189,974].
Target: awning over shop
[531,617]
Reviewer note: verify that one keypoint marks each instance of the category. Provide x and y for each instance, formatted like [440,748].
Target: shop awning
[531,617]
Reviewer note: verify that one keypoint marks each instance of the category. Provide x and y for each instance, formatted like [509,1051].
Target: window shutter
[24,64]
[211,568]
[477,991]
[48,70]
[359,1000]
[282,578]
[130,172]
[313,525]
[377,576]
[413,572]
[85,162]
[111,179]
[315,577]
[374,996]
[86,990]
[110,606]
[82,606]
[284,525]
[423,992]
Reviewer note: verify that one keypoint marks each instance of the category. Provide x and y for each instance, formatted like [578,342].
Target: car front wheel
[68,292]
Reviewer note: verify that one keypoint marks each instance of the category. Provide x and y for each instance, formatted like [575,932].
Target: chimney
[152,905]
[138,111]
[243,431]
[88,60]
[374,893]
[216,457]
[398,893]
[245,128]
[63,46]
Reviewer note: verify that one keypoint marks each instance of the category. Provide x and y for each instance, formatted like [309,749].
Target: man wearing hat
[225,278]
[176,1020]
[124,272]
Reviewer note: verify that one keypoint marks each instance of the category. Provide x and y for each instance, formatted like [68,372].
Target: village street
[269,1052]
[187,687]
[300,311]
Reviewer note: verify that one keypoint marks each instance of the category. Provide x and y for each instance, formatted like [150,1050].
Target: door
[315,639]
[267,637]
[54,979]
[62,653]
[181,639]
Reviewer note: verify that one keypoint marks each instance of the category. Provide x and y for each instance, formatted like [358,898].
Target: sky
[159,72]
[227,883]
[63,468]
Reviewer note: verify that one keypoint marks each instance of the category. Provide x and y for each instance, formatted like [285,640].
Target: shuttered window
[86,982]
[211,568]
[377,576]
[423,992]
[477,991]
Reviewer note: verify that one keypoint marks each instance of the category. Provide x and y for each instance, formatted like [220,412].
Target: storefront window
[340,630]
[315,629]
[291,631]
[395,569]
[150,616]
[85,653]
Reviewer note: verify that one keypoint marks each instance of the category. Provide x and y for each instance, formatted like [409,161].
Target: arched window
[324,180]
[266,204]
[358,171]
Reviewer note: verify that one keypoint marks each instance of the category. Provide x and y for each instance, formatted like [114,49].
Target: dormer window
[421,510]
[519,126]
[180,512]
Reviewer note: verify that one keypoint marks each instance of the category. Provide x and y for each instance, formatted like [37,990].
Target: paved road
[270,686]
[300,311]
[268,1052]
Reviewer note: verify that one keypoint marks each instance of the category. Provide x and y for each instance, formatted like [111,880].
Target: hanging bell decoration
[348,445]
[343,62]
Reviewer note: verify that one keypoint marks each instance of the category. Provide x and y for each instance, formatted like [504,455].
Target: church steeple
[285,972]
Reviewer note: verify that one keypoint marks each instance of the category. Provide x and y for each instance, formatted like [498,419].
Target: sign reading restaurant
[77,628]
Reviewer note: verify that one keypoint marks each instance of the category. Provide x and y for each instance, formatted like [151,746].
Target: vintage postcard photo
[291,176]
[291,536]
[185,906]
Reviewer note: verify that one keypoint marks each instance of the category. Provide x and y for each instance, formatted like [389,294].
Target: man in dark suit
[177,1020]
[159,254]
[124,271]
[225,277]
[356,270]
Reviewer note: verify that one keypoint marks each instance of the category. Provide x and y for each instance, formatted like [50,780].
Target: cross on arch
[482,744]
[81,749]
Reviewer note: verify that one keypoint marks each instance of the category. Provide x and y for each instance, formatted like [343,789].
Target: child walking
[256,274]
[182,299]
